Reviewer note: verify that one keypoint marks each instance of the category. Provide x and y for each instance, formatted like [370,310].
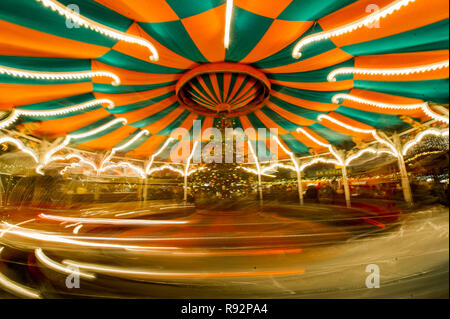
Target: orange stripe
[272,41]
[243,92]
[130,98]
[109,140]
[246,124]
[417,14]
[60,127]
[206,98]
[16,40]
[310,105]
[166,57]
[270,9]
[239,80]
[321,61]
[308,142]
[213,79]
[403,60]
[207,123]
[226,86]
[294,118]
[142,10]
[130,77]
[269,123]
[383,98]
[150,110]
[348,121]
[165,121]
[149,147]
[21,94]
[318,86]
[205,87]
[207,30]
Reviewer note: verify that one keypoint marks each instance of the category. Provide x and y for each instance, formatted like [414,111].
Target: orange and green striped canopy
[256,81]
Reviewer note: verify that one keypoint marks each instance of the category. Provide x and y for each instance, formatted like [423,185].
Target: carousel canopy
[125,74]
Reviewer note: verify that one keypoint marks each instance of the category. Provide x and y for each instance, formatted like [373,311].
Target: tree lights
[366,21]
[421,136]
[97,27]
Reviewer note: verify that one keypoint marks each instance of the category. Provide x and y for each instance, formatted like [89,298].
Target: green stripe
[174,36]
[300,10]
[120,60]
[33,15]
[155,117]
[139,105]
[175,124]
[294,145]
[334,137]
[298,110]
[315,76]
[430,91]
[185,9]
[430,37]
[106,88]
[246,32]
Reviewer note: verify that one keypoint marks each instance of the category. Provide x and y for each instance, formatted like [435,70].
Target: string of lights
[366,21]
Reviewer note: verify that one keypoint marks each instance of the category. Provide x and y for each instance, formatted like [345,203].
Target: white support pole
[299,181]
[407,194]
[346,187]
[185,185]
[260,189]
[348,201]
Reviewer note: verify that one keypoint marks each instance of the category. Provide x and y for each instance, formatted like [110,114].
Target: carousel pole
[348,201]
[185,185]
[299,181]
[403,172]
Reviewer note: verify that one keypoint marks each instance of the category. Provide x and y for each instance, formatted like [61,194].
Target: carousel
[164,149]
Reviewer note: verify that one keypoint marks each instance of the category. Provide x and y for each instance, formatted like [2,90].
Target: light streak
[229,15]
[20,146]
[147,170]
[51,264]
[106,221]
[18,289]
[328,146]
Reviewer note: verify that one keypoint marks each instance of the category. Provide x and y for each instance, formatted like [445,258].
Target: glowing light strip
[367,150]
[71,156]
[229,14]
[28,74]
[278,165]
[68,138]
[18,289]
[20,146]
[59,267]
[253,171]
[138,170]
[188,162]
[423,106]
[359,130]
[161,168]
[328,146]
[147,170]
[97,27]
[16,113]
[319,160]
[124,146]
[388,72]
[258,168]
[106,221]
[31,234]
[287,152]
[366,21]
[421,136]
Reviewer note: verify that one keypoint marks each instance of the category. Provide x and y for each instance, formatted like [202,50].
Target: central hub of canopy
[223,88]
